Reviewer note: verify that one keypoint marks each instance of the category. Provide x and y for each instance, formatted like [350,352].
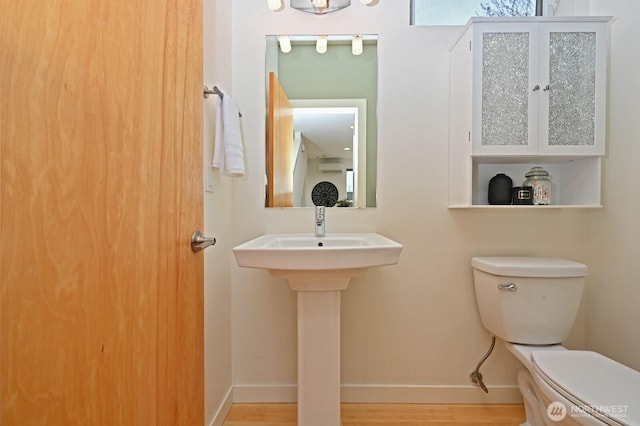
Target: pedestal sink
[318,268]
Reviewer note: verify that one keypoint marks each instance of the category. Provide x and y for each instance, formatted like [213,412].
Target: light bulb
[319,3]
[285,43]
[356,45]
[321,44]
[366,1]
[274,4]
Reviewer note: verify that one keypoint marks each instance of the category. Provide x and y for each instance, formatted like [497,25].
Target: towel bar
[214,91]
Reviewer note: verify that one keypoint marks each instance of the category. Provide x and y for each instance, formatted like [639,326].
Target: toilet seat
[607,389]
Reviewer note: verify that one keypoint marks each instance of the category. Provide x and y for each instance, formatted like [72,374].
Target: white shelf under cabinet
[575,181]
[512,207]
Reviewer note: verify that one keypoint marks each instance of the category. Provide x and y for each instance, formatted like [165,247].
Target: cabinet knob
[536,87]
[546,88]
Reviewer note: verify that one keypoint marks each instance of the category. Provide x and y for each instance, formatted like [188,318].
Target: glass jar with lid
[538,179]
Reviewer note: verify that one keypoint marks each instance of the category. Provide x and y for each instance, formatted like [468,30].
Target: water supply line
[476,376]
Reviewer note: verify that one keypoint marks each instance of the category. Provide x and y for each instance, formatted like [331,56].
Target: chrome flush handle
[509,287]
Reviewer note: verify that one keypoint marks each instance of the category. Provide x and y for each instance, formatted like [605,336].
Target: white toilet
[531,303]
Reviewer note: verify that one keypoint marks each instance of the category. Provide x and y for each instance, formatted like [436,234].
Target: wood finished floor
[384,415]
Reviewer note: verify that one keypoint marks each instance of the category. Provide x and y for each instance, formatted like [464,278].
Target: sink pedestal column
[319,342]
[319,358]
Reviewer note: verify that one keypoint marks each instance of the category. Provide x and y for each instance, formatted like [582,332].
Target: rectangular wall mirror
[321,118]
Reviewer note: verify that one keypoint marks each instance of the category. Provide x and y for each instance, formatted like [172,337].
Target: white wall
[613,234]
[217,209]
[411,332]
[567,7]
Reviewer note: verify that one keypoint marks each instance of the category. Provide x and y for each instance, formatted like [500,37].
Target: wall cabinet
[526,92]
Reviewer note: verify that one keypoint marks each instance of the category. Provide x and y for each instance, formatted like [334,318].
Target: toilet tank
[528,300]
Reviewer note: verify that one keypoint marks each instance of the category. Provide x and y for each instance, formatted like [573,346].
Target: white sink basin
[305,252]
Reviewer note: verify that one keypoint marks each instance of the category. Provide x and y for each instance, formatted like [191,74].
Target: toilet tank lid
[517,266]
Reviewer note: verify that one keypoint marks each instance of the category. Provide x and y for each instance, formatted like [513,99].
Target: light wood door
[101,161]
[279,146]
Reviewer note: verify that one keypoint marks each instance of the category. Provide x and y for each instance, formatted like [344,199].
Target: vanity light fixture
[321,44]
[318,7]
[285,43]
[274,4]
[356,45]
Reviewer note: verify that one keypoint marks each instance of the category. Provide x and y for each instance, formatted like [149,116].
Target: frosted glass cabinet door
[507,120]
[572,75]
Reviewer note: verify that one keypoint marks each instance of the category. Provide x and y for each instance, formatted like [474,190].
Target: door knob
[200,242]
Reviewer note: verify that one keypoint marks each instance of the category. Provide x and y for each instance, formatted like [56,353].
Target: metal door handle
[536,87]
[510,287]
[200,242]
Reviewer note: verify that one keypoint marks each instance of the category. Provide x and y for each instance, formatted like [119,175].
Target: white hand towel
[228,152]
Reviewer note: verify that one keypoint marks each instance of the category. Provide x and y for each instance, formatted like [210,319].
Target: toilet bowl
[531,303]
[591,388]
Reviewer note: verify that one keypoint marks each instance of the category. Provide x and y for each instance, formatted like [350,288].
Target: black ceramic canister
[500,189]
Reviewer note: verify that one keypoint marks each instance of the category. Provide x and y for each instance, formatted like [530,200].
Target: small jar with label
[538,179]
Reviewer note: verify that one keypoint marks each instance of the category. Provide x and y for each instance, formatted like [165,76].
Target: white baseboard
[265,393]
[425,394]
[223,409]
[430,394]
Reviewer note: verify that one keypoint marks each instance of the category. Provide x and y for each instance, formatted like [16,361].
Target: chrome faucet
[319,221]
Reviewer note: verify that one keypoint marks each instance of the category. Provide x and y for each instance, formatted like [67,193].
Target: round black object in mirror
[500,189]
[325,194]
